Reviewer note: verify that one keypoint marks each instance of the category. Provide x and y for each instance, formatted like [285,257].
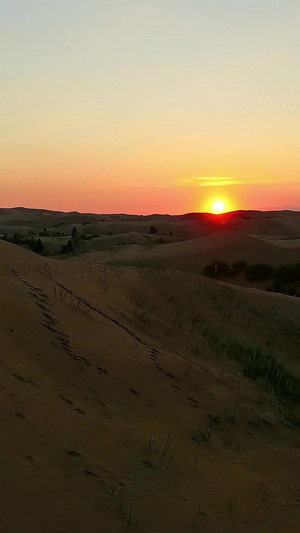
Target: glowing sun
[218,207]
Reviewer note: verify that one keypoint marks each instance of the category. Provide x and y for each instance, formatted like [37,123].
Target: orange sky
[154,107]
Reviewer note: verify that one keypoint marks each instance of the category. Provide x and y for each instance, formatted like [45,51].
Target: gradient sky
[147,106]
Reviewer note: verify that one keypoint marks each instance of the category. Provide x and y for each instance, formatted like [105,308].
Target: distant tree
[36,245]
[5,237]
[64,249]
[74,232]
[67,248]
[152,230]
[77,239]
[44,233]
[171,233]
[39,247]
[16,238]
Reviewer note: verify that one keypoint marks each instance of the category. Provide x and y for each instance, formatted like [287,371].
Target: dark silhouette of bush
[74,232]
[35,245]
[76,240]
[67,248]
[209,271]
[284,279]
[292,291]
[44,233]
[39,247]
[239,266]
[218,268]
[277,287]
[259,272]
[152,230]
[288,273]
[16,238]
[5,237]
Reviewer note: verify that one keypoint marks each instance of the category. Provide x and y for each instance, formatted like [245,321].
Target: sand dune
[228,246]
[99,365]
[193,254]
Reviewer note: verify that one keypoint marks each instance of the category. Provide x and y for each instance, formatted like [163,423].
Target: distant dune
[193,254]
[284,224]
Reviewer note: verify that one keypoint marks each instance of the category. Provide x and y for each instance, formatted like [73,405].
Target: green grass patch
[257,364]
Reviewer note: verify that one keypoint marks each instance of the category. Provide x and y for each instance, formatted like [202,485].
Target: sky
[143,106]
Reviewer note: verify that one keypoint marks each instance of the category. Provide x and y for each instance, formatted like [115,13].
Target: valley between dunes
[120,411]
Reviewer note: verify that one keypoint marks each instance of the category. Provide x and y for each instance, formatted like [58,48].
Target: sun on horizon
[218,207]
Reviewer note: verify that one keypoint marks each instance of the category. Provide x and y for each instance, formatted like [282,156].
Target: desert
[135,394]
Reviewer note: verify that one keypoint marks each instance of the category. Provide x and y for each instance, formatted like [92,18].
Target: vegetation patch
[283,279]
[257,364]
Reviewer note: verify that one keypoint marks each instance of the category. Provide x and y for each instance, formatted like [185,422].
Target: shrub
[36,245]
[288,273]
[292,291]
[77,239]
[239,266]
[39,248]
[277,287]
[259,272]
[16,238]
[67,248]
[44,233]
[257,364]
[152,230]
[218,268]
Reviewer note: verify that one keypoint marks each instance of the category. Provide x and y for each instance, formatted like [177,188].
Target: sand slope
[105,380]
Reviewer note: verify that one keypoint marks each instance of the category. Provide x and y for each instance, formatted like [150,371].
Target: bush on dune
[259,272]
[218,268]
[286,278]
[287,274]
[67,248]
